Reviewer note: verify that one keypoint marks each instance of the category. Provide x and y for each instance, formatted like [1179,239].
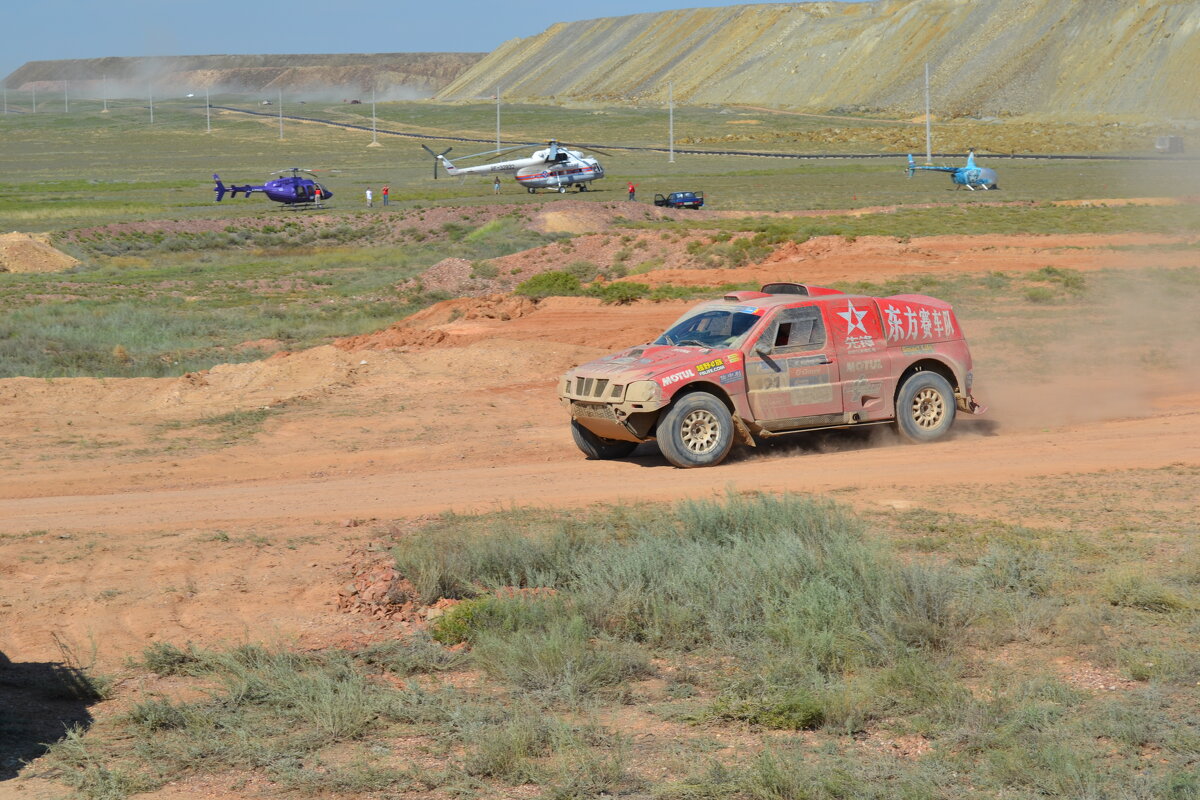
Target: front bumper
[612,410]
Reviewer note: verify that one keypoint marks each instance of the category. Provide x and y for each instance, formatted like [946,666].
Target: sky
[56,29]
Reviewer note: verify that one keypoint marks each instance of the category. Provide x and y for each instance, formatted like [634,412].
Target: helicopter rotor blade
[493,153]
[587,147]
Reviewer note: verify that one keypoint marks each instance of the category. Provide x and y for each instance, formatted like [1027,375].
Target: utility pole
[207,112]
[104,90]
[281,114]
[150,91]
[34,89]
[671,121]
[66,98]
[374,134]
[497,116]
[928,124]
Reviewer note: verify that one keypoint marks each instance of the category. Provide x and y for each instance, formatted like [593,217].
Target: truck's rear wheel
[696,432]
[594,446]
[924,407]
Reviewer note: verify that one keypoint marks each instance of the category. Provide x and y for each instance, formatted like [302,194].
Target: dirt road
[224,505]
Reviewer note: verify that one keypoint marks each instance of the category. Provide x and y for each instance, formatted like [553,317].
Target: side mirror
[762,348]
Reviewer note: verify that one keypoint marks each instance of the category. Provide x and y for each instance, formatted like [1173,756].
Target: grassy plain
[794,650]
[146,303]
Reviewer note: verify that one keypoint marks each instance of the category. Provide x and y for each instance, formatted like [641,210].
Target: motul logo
[677,377]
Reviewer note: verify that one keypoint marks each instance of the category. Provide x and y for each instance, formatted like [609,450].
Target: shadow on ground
[38,703]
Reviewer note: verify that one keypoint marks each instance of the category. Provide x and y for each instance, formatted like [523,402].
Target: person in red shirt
[632,190]
[384,191]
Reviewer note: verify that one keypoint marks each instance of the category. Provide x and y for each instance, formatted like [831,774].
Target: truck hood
[658,362]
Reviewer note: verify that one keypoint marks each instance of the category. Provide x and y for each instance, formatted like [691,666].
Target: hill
[1102,57]
[406,74]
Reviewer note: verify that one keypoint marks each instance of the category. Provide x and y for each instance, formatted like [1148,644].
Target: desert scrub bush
[620,293]
[266,709]
[484,271]
[418,654]
[789,577]
[1069,279]
[556,283]
[1130,588]
[1024,569]
[509,751]
[562,660]
[585,271]
[164,658]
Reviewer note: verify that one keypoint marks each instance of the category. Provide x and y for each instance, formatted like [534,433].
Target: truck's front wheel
[596,447]
[924,407]
[696,432]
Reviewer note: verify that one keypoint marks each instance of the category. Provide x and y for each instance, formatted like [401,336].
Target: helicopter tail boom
[221,189]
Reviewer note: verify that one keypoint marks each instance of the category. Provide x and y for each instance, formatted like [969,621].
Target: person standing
[384,191]
[496,185]
[370,204]
[632,190]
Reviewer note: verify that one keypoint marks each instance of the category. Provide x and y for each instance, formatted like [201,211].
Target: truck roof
[777,294]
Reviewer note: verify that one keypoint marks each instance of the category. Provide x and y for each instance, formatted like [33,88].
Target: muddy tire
[695,432]
[594,446]
[924,407]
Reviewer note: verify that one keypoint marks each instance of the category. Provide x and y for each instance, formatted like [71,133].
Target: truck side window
[800,329]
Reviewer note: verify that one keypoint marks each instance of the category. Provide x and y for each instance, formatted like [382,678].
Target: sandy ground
[127,517]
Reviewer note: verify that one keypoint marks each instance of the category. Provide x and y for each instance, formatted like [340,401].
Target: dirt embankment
[32,252]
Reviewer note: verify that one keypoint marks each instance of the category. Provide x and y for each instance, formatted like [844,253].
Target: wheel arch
[742,433]
[928,365]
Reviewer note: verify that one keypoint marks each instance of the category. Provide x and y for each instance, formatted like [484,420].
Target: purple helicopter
[292,190]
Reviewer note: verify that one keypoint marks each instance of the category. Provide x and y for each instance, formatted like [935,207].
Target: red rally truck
[790,357]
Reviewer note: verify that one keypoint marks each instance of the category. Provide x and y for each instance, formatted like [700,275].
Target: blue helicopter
[971,176]
[292,190]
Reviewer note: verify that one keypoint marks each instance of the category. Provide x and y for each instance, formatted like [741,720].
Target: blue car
[680,200]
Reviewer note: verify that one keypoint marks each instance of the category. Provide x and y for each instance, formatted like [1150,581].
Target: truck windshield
[712,327]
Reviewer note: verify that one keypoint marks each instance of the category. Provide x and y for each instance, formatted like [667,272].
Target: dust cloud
[1134,357]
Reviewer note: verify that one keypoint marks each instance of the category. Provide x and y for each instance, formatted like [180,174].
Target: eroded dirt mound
[282,378]
[32,252]
[436,325]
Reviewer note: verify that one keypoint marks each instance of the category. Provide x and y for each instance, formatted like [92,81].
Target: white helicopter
[554,167]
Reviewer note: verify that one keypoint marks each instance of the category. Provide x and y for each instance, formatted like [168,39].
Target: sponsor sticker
[807,361]
[870,365]
[677,377]
[734,358]
[916,349]
[731,376]
[709,367]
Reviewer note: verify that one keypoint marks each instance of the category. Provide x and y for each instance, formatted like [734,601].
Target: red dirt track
[124,520]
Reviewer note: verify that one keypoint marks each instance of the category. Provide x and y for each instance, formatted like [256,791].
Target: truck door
[864,361]
[792,376]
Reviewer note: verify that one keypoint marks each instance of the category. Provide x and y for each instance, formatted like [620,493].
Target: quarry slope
[1109,57]
[418,73]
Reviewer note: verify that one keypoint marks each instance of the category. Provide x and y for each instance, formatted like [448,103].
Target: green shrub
[1133,589]
[790,709]
[459,621]
[508,751]
[561,660]
[585,271]
[549,284]
[164,658]
[620,293]
[1040,294]
[156,715]
[484,271]
[419,654]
